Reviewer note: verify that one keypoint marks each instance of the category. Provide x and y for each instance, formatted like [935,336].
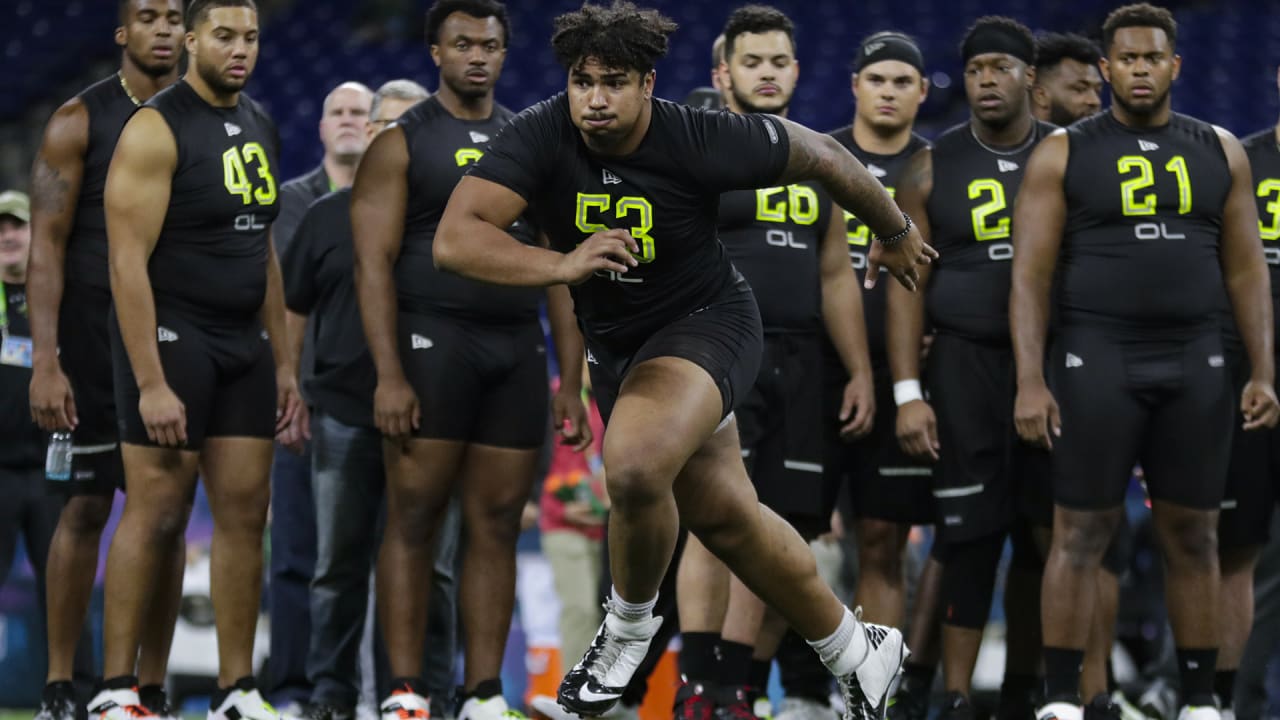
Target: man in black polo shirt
[346,449]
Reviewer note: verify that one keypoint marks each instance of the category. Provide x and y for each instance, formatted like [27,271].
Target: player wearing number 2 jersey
[203,374]
[627,188]
[964,188]
[1143,205]
[461,395]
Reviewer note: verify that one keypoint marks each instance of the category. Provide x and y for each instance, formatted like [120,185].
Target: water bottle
[57,463]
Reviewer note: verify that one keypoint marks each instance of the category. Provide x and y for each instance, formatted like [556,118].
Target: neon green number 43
[235,162]
[637,208]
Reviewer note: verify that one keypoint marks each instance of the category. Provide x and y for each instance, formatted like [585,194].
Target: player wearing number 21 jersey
[1145,215]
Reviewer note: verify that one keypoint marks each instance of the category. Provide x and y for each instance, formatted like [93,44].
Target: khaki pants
[575,563]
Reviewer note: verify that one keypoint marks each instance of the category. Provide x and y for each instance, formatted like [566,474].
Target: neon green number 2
[983,230]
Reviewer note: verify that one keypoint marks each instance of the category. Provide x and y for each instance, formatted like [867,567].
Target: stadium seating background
[1230,49]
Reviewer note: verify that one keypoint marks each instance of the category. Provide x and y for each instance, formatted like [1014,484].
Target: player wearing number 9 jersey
[204,377]
[1152,213]
[627,187]
[964,188]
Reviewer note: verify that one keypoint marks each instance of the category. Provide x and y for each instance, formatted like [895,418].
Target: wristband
[905,391]
[897,237]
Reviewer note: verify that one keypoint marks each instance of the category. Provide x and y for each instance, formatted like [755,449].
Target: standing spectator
[293,523]
[27,510]
[347,466]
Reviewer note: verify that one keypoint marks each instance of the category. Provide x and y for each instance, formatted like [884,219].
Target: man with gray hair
[346,453]
[343,134]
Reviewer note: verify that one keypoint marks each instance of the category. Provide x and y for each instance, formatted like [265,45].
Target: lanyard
[4,310]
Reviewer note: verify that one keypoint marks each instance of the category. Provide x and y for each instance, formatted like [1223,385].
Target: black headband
[998,39]
[888,46]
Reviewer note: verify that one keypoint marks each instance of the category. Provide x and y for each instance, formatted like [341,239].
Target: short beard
[467,91]
[214,80]
[1059,115]
[1157,102]
[744,102]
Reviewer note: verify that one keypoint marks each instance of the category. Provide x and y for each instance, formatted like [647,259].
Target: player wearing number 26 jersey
[1145,215]
[627,187]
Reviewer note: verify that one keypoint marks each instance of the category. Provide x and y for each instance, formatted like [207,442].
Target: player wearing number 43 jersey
[627,187]
[203,375]
[1142,205]
[963,188]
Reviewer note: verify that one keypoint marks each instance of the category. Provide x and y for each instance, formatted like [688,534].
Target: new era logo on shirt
[611,179]
[876,170]
[231,128]
[1147,146]
[1217,361]
[591,358]
[479,137]
[164,334]
[418,342]
[1006,165]
[1074,361]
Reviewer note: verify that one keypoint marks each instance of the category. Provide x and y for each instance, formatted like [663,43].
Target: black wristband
[897,237]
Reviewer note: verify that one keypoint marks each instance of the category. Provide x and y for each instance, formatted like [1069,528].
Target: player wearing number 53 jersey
[1143,206]
[627,187]
[964,189]
[203,375]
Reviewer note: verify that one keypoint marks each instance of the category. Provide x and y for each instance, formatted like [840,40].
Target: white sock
[843,650]
[630,613]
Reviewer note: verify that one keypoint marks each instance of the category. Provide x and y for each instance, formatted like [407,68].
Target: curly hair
[442,9]
[619,36]
[756,19]
[1139,15]
[1053,48]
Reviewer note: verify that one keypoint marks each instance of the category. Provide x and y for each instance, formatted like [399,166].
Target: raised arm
[820,157]
[472,240]
[1039,215]
[847,327]
[136,199]
[1244,271]
[917,426]
[55,186]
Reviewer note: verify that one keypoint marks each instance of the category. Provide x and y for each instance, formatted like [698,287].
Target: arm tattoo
[48,188]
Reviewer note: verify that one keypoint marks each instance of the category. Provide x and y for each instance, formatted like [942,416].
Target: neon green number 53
[638,209]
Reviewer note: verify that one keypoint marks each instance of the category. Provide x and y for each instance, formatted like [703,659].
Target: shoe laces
[604,654]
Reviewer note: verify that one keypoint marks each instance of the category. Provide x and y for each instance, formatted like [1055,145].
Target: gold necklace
[127,91]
